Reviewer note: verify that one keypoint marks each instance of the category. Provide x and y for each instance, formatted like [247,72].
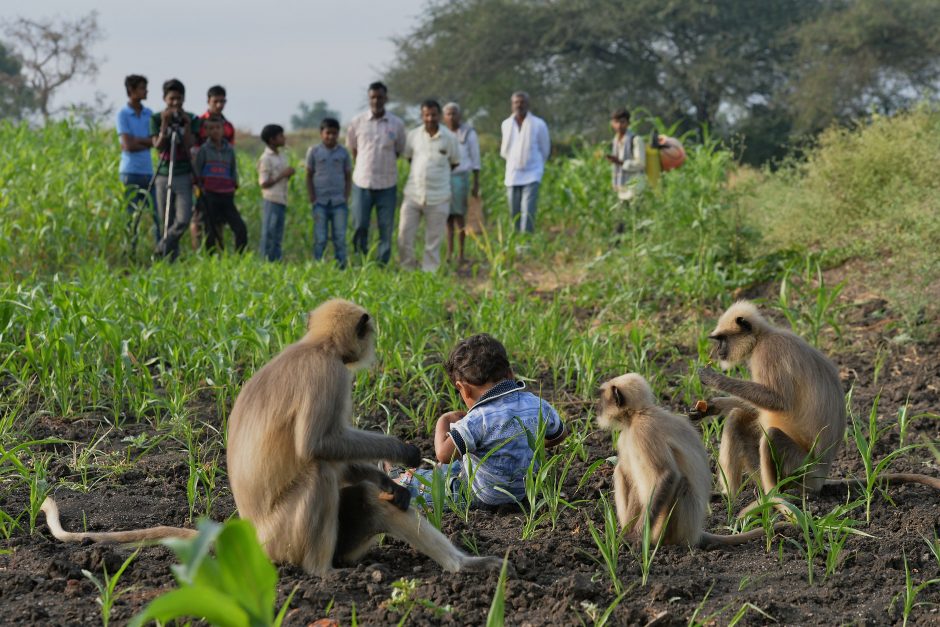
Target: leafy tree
[53,52]
[864,55]
[768,68]
[310,115]
[15,98]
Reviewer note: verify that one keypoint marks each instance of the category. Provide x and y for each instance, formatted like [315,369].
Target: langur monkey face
[735,338]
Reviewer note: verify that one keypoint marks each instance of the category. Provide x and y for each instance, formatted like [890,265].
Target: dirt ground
[557,580]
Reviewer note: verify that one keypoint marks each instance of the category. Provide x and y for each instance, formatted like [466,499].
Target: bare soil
[557,579]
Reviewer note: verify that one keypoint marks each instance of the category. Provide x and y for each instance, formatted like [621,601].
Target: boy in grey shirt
[329,171]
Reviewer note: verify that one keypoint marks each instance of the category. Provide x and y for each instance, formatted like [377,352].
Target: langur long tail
[714,541]
[135,535]
[894,478]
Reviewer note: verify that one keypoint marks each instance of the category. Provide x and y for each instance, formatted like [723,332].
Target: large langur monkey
[298,468]
[662,469]
[304,475]
[790,415]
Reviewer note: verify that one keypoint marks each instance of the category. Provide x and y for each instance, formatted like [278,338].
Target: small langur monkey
[791,413]
[662,468]
[301,472]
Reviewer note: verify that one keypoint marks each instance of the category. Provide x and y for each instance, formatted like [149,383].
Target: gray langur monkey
[304,475]
[791,414]
[299,470]
[662,468]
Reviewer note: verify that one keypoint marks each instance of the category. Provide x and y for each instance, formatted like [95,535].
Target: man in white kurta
[433,152]
[525,147]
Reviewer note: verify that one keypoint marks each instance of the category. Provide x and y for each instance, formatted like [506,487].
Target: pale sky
[269,54]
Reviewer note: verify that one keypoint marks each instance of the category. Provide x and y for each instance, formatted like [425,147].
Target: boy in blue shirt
[136,170]
[329,180]
[500,412]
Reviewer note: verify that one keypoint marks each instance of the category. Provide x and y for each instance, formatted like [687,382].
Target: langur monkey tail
[714,541]
[894,478]
[51,510]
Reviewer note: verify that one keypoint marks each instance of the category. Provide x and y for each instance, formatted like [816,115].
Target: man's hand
[614,159]
[288,172]
[475,192]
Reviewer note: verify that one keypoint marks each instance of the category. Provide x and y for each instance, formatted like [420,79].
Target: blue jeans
[418,482]
[329,222]
[135,193]
[272,229]
[522,201]
[384,202]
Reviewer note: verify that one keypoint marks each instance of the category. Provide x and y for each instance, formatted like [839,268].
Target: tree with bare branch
[53,51]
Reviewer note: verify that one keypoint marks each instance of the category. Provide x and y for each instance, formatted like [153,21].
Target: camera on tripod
[175,122]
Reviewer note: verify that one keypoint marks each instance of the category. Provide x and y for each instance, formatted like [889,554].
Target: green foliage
[767,70]
[868,194]
[235,588]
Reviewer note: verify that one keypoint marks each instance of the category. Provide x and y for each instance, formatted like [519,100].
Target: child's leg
[235,222]
[212,213]
[320,219]
[340,214]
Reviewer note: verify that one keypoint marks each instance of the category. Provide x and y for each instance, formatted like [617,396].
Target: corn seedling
[496,617]
[609,541]
[908,596]
[107,587]
[238,586]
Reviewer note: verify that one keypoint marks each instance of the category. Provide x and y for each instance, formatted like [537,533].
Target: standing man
[136,170]
[525,147]
[460,189]
[375,138]
[215,103]
[627,158]
[433,153]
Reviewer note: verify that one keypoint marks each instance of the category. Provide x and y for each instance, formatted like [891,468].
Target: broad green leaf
[197,601]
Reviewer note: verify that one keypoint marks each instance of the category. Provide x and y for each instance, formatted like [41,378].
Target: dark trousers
[220,210]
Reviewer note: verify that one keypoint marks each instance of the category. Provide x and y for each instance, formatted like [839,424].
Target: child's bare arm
[444,447]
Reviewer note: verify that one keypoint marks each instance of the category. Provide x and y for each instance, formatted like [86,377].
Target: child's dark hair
[215,118]
[430,103]
[173,85]
[477,360]
[270,131]
[215,90]
[133,81]
[620,114]
[378,86]
[326,123]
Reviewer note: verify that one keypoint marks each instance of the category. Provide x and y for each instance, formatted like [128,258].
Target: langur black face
[734,344]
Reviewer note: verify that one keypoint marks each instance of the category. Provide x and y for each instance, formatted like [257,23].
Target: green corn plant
[496,617]
[609,540]
[908,596]
[107,587]
[235,588]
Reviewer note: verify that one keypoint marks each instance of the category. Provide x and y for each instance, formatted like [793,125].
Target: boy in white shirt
[273,174]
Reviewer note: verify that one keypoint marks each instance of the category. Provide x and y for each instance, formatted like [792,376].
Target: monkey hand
[410,455]
[397,495]
[701,409]
[709,376]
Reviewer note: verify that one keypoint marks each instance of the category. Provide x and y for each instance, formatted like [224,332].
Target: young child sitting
[500,412]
